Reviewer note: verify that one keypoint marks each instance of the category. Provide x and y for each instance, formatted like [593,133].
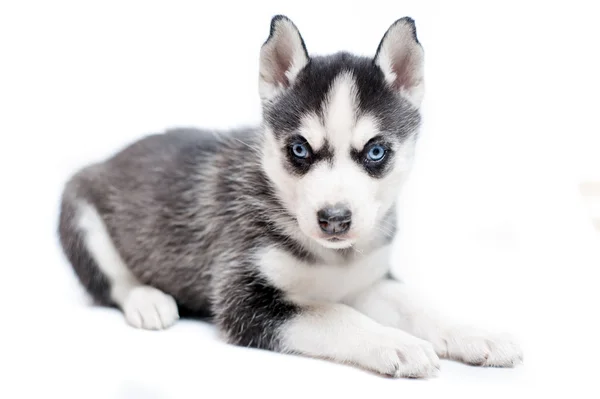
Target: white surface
[493,230]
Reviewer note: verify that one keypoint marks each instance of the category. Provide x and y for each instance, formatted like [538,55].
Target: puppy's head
[339,130]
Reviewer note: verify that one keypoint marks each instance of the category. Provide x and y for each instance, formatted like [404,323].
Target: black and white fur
[224,224]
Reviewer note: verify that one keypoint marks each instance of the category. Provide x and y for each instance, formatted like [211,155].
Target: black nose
[335,219]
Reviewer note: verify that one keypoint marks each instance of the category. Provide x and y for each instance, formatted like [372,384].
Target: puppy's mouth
[335,242]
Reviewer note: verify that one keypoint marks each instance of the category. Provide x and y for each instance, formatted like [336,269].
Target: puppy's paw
[479,348]
[149,308]
[398,354]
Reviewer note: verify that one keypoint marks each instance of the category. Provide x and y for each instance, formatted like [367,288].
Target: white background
[493,232]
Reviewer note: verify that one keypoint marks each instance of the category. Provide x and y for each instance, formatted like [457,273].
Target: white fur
[143,306]
[344,182]
[400,50]
[149,308]
[332,281]
[340,111]
[104,253]
[340,333]
[475,346]
[392,304]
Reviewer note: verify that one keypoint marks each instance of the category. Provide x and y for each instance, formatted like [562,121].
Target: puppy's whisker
[256,149]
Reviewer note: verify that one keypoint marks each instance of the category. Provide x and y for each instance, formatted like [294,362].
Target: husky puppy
[280,234]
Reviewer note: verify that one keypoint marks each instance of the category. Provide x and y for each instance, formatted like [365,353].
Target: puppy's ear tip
[407,23]
[279,17]
[407,20]
[279,22]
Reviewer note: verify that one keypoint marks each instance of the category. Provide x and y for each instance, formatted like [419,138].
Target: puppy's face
[340,130]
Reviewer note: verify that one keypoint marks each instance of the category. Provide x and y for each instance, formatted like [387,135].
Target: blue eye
[376,153]
[300,150]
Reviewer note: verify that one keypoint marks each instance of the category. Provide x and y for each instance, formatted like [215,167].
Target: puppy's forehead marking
[340,123]
[340,110]
[344,124]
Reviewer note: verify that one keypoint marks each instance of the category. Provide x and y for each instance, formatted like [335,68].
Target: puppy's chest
[332,282]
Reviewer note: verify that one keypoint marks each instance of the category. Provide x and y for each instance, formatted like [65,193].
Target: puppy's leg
[391,304]
[103,273]
[342,334]
[258,316]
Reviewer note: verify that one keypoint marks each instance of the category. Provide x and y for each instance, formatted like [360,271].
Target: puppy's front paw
[479,348]
[150,309]
[398,354]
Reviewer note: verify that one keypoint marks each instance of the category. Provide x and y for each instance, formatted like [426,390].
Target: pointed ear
[281,58]
[400,57]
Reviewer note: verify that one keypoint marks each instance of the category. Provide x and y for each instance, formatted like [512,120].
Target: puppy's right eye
[300,155]
[300,150]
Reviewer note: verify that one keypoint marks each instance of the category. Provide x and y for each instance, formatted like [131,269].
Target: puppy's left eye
[300,150]
[376,153]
